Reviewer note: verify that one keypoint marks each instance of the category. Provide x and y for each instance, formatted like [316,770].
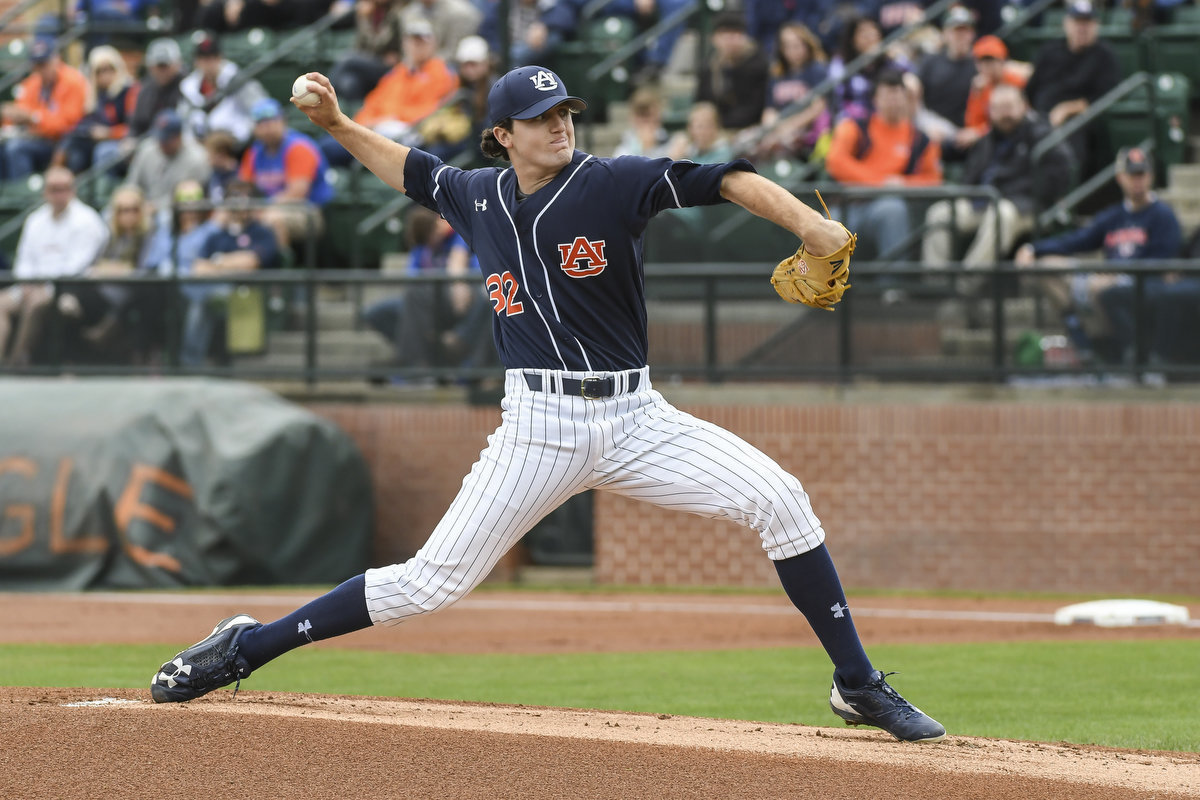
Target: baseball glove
[817,281]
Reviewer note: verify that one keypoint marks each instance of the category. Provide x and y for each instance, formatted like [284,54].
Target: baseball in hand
[302,94]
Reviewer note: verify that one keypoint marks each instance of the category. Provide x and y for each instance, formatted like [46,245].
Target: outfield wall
[1061,495]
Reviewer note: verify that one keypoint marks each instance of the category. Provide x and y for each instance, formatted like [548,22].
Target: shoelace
[231,657]
[903,705]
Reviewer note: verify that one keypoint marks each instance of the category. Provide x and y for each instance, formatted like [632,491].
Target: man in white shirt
[211,75]
[61,238]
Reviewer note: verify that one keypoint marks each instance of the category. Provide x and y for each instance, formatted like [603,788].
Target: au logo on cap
[544,81]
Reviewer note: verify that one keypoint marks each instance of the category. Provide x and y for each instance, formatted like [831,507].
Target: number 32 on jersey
[502,291]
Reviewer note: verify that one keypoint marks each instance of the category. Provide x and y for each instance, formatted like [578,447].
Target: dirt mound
[84,743]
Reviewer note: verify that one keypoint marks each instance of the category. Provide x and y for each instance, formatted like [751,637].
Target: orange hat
[990,47]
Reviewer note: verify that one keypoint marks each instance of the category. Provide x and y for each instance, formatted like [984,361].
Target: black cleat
[209,664]
[882,706]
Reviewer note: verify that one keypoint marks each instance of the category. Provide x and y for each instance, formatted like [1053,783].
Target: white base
[1121,613]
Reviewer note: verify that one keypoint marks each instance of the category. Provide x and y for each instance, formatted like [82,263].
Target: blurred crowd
[210,179]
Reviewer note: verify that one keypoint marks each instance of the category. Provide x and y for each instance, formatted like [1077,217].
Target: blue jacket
[1124,235]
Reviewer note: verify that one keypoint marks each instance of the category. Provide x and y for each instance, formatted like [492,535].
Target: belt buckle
[597,393]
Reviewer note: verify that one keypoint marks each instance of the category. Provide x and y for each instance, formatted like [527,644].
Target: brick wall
[1076,497]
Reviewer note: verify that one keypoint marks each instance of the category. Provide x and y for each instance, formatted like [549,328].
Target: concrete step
[975,344]
[1184,175]
[333,347]
[1019,312]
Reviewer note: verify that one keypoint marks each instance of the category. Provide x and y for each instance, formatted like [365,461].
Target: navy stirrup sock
[341,611]
[813,586]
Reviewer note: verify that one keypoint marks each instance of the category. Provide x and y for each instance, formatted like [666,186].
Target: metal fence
[726,323]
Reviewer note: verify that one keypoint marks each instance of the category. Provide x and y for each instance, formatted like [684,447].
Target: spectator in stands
[451,20]
[201,110]
[411,91]
[884,150]
[377,34]
[224,161]
[455,126]
[989,14]
[112,321]
[109,108]
[645,135]
[240,244]
[853,96]
[946,78]
[235,15]
[109,11]
[1001,159]
[992,69]
[288,168]
[1072,73]
[704,141]
[1140,227]
[798,65]
[159,90]
[535,28]
[107,17]
[166,158]
[735,81]
[180,236]
[59,239]
[50,103]
[764,18]
[1172,311]
[436,324]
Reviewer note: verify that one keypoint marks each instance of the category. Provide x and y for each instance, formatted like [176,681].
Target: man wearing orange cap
[992,68]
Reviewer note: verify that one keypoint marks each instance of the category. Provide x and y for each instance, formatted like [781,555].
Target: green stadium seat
[1052,19]
[1119,17]
[1188,14]
[243,47]
[1159,112]
[1172,48]
[609,33]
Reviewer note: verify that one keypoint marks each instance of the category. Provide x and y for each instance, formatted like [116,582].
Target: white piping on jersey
[521,265]
[437,186]
[671,186]
[587,362]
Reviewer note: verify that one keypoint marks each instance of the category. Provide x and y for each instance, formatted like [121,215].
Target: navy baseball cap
[167,125]
[528,92]
[1134,161]
[266,108]
[1081,9]
[40,51]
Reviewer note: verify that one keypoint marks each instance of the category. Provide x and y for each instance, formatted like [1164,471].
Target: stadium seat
[243,47]
[1159,112]
[1172,48]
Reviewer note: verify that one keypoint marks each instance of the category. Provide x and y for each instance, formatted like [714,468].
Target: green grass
[1121,694]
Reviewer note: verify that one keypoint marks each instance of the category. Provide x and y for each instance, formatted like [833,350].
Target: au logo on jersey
[544,81]
[582,258]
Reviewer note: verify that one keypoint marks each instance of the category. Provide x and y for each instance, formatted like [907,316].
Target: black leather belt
[591,388]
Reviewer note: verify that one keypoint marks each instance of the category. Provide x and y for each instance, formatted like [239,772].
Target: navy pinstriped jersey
[564,265]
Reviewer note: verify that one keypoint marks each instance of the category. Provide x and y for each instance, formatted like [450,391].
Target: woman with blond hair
[109,317]
[111,99]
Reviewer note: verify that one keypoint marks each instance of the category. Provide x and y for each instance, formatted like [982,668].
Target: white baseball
[302,94]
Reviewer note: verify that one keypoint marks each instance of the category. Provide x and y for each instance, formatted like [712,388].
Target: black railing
[704,299]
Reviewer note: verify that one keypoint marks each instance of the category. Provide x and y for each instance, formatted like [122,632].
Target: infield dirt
[89,743]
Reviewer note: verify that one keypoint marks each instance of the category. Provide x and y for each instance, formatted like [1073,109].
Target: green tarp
[159,483]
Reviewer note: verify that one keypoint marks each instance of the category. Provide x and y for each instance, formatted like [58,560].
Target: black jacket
[152,99]
[1005,162]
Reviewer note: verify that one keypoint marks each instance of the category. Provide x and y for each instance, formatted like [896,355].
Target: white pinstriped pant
[550,446]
